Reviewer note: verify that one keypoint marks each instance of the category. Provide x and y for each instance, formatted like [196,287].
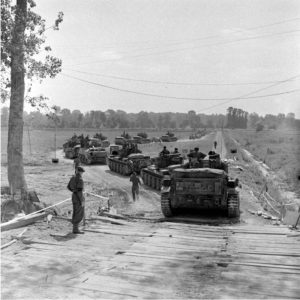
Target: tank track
[166,206]
[151,181]
[233,205]
[118,168]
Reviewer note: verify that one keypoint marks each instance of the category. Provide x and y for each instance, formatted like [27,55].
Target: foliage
[236,118]
[117,119]
[39,63]
[259,127]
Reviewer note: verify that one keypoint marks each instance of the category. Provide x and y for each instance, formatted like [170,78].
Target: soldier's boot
[76,230]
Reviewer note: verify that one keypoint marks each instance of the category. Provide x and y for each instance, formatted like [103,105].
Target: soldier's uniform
[165,151]
[78,200]
[135,185]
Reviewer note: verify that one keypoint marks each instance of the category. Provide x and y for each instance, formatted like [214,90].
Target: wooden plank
[118,232]
[262,271]
[111,220]
[130,286]
[262,265]
[182,237]
[22,222]
[169,247]
[270,253]
[282,287]
[177,241]
[282,260]
[75,292]
[261,277]
[162,257]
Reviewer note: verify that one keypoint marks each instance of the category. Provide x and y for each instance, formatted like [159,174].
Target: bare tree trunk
[16,177]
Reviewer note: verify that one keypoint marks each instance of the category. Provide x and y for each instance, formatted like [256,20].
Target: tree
[22,37]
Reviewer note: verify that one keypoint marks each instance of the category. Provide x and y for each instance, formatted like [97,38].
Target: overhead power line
[251,93]
[173,42]
[190,48]
[246,96]
[174,83]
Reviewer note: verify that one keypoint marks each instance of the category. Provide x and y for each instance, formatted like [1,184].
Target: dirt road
[146,258]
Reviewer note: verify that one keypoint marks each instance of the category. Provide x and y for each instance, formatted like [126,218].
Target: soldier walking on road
[135,185]
[76,185]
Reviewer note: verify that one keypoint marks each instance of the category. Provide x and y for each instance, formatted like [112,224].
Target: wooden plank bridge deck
[155,261]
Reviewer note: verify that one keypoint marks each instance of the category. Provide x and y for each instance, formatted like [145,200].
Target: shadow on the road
[203,217]
[63,238]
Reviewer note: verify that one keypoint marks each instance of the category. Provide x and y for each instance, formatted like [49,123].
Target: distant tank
[168,137]
[69,152]
[81,141]
[127,160]
[70,146]
[119,140]
[200,188]
[92,155]
[153,174]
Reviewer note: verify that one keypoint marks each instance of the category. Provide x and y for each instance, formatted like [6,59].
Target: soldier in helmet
[175,151]
[76,185]
[165,151]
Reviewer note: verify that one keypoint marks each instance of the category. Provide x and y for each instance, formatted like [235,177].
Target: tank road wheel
[145,179]
[166,205]
[150,181]
[158,184]
[233,205]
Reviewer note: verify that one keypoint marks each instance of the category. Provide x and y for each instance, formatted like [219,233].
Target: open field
[50,180]
[278,149]
[38,144]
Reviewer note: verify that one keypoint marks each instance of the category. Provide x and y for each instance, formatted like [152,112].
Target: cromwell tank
[129,159]
[153,174]
[92,155]
[200,188]
[169,137]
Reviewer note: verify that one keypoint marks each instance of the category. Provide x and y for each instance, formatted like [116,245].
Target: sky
[175,55]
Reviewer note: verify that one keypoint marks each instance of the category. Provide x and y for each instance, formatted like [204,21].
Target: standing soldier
[135,185]
[164,151]
[76,186]
[175,151]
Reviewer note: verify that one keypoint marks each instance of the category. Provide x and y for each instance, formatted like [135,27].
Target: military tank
[92,155]
[69,152]
[127,160]
[200,188]
[168,137]
[153,174]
